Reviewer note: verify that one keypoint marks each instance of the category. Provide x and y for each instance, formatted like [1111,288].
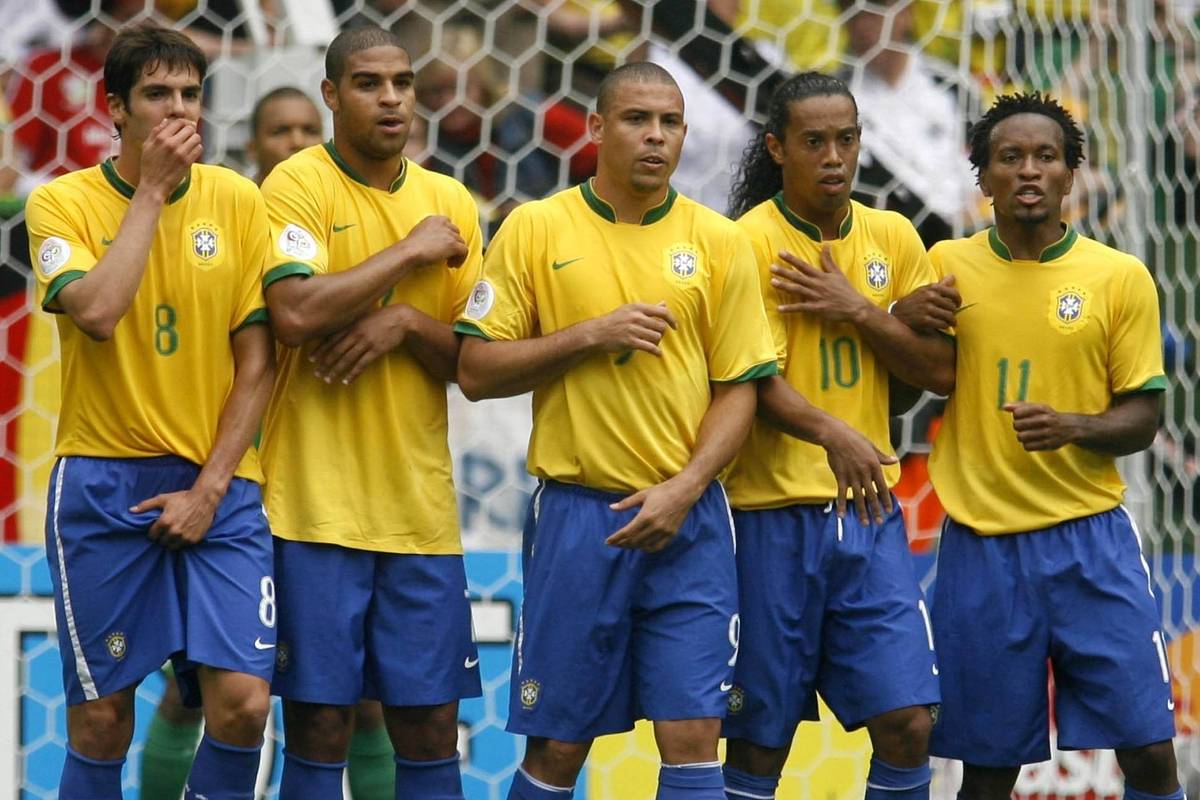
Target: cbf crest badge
[736,700]
[531,692]
[1070,307]
[206,244]
[877,271]
[116,644]
[682,262]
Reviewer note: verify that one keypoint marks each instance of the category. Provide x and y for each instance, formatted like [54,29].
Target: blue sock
[739,785]
[310,780]
[691,782]
[222,771]
[1134,794]
[428,780]
[86,778]
[885,782]
[525,787]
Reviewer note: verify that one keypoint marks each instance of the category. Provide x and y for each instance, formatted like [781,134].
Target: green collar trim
[603,209]
[397,182]
[1056,250]
[806,227]
[126,189]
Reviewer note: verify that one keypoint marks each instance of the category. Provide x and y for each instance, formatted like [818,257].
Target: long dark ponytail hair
[758,176]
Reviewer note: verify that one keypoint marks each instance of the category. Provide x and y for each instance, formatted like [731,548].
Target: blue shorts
[1077,595]
[828,605]
[609,635]
[357,624]
[125,604]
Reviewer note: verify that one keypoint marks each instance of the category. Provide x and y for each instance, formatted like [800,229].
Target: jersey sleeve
[465,277]
[739,345]
[502,304]
[56,245]
[1135,361]
[256,243]
[299,224]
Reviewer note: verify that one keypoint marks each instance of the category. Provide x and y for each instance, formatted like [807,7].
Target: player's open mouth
[654,162]
[1029,195]
[833,183]
[392,124]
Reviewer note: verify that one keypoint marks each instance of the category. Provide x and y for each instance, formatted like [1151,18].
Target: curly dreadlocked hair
[758,176]
[1008,105]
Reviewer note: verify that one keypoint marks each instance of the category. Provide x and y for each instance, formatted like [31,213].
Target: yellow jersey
[365,466]
[1071,330]
[158,385]
[623,422]
[827,362]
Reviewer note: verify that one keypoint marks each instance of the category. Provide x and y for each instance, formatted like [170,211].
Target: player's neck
[829,222]
[1026,241]
[629,205]
[376,173]
[129,164]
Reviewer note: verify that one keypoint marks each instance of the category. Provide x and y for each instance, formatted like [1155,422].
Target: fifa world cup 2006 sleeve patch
[53,255]
[483,297]
[296,242]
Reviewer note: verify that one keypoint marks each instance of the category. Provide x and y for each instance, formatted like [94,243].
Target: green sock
[372,770]
[167,758]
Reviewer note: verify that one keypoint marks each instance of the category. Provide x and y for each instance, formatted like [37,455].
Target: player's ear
[595,124]
[116,108]
[1070,181]
[329,94]
[775,148]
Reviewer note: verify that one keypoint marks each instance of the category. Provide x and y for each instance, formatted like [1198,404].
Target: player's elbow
[941,381]
[471,372]
[289,327]
[99,327]
[471,383]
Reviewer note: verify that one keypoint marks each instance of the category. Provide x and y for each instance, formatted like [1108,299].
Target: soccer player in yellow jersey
[830,602]
[1059,372]
[633,315]
[373,258]
[156,538]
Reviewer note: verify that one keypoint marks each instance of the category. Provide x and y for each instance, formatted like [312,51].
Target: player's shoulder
[704,216]
[882,219]
[223,179]
[555,209]
[971,246]
[80,184]
[1104,257]
[435,182]
[311,163]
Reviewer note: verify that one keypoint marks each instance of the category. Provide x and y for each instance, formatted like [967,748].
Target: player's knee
[240,719]
[423,733]
[1151,769]
[317,732]
[687,741]
[554,762]
[102,728]
[755,759]
[901,737]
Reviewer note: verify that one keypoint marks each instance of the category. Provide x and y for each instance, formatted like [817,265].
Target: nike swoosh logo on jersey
[725,687]
[561,264]
[258,644]
[471,662]
[340,228]
[964,308]
[104,240]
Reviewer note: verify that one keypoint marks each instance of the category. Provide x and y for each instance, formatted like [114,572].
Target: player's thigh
[1111,674]
[323,593]
[571,671]
[877,644]
[231,594]
[781,608]
[992,643]
[116,592]
[418,639]
[686,624]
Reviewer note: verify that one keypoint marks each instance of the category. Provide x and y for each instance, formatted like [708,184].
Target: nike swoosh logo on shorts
[471,662]
[258,644]
[725,687]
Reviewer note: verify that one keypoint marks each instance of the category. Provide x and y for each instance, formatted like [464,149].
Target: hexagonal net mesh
[504,87]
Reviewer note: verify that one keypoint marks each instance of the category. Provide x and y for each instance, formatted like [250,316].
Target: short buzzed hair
[271,96]
[347,43]
[637,72]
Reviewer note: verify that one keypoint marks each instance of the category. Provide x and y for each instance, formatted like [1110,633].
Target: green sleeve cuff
[57,285]
[286,271]
[1156,384]
[470,329]
[755,373]
[258,316]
